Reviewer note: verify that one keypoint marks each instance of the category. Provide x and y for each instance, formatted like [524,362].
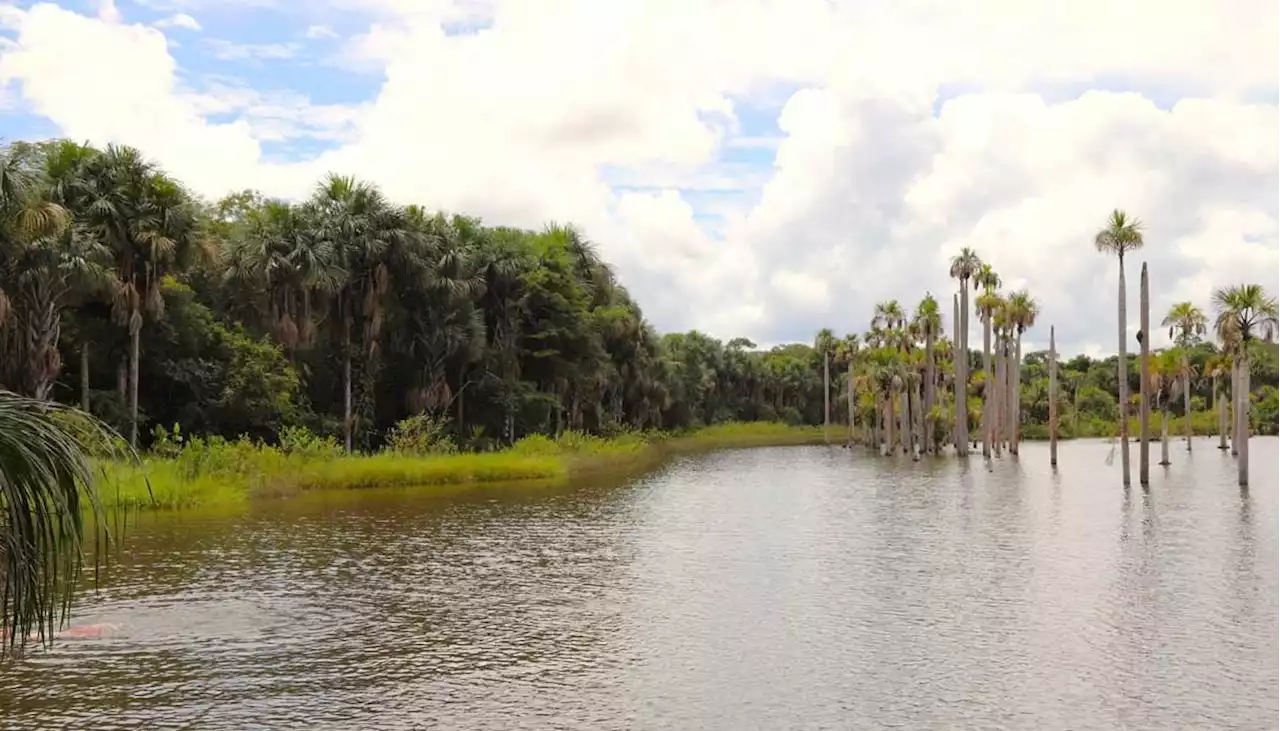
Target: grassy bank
[217,472]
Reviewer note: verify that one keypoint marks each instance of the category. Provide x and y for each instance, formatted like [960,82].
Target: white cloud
[319,32]
[533,112]
[178,20]
[231,51]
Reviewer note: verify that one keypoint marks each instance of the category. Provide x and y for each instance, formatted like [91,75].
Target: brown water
[790,588]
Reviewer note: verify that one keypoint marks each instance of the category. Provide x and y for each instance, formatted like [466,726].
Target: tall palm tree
[1122,235]
[847,353]
[46,484]
[148,222]
[1023,311]
[928,320]
[364,230]
[1245,313]
[985,305]
[963,267]
[1186,323]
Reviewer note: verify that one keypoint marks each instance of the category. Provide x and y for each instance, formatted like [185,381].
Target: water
[792,588]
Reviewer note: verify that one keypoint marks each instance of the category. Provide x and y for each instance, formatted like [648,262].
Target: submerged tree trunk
[1015,395]
[1144,389]
[963,355]
[84,376]
[989,377]
[1122,385]
[929,377]
[958,384]
[1164,437]
[1053,399]
[1235,407]
[1220,405]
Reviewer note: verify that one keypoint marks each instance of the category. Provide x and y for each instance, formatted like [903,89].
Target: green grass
[222,473]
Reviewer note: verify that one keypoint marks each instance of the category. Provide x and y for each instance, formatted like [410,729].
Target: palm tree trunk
[1235,407]
[1164,437]
[1053,399]
[1015,410]
[957,385]
[1010,400]
[986,391]
[904,419]
[876,413]
[1243,418]
[826,397]
[963,402]
[928,388]
[84,376]
[998,398]
[1220,404]
[1122,386]
[135,347]
[891,403]
[1144,389]
[1186,397]
[347,430]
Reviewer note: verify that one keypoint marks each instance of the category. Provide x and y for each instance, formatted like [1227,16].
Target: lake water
[788,588]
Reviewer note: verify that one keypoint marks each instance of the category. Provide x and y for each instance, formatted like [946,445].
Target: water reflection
[771,588]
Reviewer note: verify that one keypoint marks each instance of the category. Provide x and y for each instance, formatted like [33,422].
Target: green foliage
[421,434]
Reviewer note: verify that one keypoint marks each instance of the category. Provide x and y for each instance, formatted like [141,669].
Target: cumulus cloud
[903,132]
[319,32]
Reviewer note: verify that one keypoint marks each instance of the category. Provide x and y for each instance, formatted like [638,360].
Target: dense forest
[345,313]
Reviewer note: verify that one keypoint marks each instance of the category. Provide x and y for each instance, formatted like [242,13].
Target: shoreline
[234,473]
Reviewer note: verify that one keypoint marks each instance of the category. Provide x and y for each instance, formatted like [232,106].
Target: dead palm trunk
[1053,399]
[1220,405]
[958,385]
[986,391]
[1015,395]
[1144,413]
[1243,418]
[927,408]
[1235,406]
[963,402]
[84,376]
[1186,397]
[1164,436]
[1122,385]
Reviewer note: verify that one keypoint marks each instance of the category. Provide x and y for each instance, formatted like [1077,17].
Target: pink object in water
[88,631]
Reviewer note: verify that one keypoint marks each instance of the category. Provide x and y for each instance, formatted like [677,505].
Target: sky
[761,168]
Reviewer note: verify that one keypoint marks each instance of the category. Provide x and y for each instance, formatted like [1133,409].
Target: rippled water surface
[790,588]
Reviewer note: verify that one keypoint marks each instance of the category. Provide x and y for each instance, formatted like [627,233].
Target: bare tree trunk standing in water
[1220,405]
[955,355]
[826,397]
[1144,413]
[1053,399]
[1235,406]
[1243,418]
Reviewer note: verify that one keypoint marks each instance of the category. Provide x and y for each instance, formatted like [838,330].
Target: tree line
[124,294]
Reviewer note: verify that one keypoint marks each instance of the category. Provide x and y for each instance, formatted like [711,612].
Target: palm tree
[1121,235]
[963,267]
[847,353]
[1186,323]
[1245,313]
[148,222]
[986,304]
[46,482]
[928,320]
[1166,371]
[1023,311]
[825,344]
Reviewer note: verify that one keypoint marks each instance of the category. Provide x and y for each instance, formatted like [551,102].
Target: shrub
[421,434]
